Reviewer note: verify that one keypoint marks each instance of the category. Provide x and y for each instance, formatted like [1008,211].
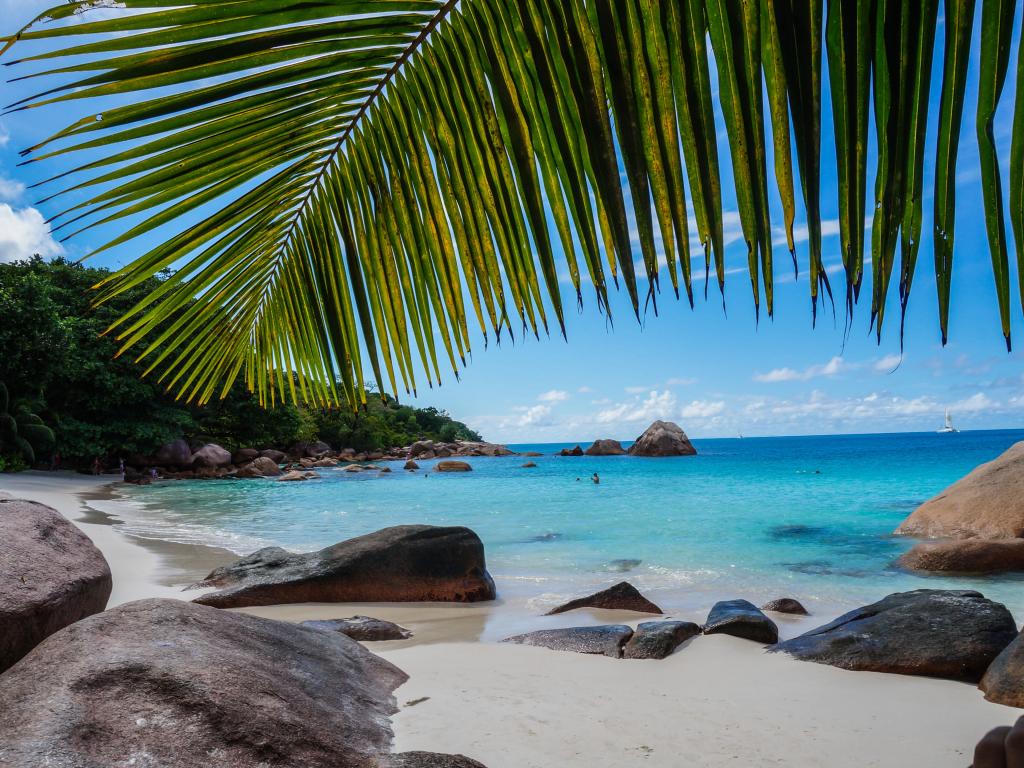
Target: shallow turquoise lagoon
[808,517]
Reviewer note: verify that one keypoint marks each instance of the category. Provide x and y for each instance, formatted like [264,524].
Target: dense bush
[59,365]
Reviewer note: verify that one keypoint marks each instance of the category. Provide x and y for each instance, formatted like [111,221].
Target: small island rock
[529,465]
[741,618]
[930,632]
[663,438]
[606,640]
[659,639]
[411,465]
[988,504]
[605,448]
[453,466]
[51,575]
[296,476]
[620,597]
[405,563]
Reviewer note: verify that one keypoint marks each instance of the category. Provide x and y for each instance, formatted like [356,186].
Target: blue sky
[715,375]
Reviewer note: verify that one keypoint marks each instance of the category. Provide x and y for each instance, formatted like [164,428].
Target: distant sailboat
[948,427]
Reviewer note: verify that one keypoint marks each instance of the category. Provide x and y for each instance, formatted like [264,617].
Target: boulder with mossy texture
[176,685]
[663,438]
[988,503]
[930,632]
[406,563]
[51,575]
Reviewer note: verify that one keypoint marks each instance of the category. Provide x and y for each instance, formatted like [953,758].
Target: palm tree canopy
[371,173]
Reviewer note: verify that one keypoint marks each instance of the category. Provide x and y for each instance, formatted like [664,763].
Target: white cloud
[702,409]
[24,233]
[831,368]
[533,416]
[636,390]
[657,405]
[584,390]
[5,137]
[976,402]
[553,396]
[682,381]
[10,190]
[888,363]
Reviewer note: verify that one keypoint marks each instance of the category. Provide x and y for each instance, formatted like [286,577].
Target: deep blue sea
[808,517]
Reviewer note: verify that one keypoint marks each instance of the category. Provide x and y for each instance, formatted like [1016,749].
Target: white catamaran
[948,427]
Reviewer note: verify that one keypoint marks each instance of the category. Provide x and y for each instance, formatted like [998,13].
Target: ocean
[758,518]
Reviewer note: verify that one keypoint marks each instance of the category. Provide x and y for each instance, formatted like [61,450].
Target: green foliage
[63,371]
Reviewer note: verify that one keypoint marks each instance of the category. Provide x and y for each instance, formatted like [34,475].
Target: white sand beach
[717,701]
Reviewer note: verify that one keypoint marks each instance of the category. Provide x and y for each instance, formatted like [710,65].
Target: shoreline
[717,701]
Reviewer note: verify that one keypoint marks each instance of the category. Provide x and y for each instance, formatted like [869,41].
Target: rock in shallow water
[935,633]
[51,575]
[785,605]
[362,628]
[659,639]
[453,466]
[605,448]
[606,640]
[405,563]
[175,685]
[741,618]
[663,438]
[620,597]
[974,556]
[1003,681]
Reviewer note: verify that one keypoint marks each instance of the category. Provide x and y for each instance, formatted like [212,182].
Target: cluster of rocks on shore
[180,460]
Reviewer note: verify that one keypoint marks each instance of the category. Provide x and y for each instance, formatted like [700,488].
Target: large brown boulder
[51,575]
[1003,682]
[170,684]
[421,447]
[176,453]
[244,456]
[930,632]
[453,466]
[620,597]
[663,438]
[605,448]
[967,556]
[988,504]
[211,455]
[406,563]
[277,457]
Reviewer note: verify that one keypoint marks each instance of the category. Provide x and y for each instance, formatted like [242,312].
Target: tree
[383,169]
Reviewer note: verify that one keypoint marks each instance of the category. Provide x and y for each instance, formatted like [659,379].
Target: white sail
[948,426]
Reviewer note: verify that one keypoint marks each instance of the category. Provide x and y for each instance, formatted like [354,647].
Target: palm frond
[348,181]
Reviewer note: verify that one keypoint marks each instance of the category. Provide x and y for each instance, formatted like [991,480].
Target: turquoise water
[808,517]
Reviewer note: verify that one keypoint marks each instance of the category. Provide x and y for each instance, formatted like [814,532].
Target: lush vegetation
[60,370]
[349,181]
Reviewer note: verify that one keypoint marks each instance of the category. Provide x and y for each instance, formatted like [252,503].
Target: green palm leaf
[347,182]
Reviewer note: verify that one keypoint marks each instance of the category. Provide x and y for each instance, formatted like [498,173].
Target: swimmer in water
[596,479]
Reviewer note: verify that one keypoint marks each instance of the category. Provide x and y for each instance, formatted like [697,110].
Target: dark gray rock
[244,456]
[362,628]
[429,760]
[176,453]
[1003,681]
[606,640]
[741,618]
[405,563]
[786,605]
[171,684]
[659,639]
[51,575]
[936,633]
[620,597]
[663,438]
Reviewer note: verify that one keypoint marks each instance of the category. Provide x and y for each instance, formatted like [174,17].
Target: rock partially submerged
[529,465]
[605,448]
[974,556]
[453,466]
[259,467]
[1003,682]
[411,466]
[785,605]
[659,639]
[405,563]
[171,684]
[51,575]
[663,438]
[364,628]
[606,640]
[577,451]
[296,476]
[988,503]
[620,597]
[935,633]
[741,618]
